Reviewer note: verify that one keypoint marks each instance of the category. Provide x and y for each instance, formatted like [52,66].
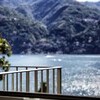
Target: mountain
[40,9]
[73,27]
[66,26]
[22,33]
[34,8]
[45,8]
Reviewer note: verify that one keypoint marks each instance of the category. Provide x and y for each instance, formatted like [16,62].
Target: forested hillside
[50,26]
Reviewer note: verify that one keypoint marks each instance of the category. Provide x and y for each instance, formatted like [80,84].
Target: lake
[80,73]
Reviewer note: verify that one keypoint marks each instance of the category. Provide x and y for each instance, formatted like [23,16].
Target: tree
[5,50]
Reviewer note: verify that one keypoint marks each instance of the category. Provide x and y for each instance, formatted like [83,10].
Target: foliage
[5,49]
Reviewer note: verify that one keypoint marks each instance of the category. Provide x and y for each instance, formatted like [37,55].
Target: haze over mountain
[88,0]
[65,26]
[93,4]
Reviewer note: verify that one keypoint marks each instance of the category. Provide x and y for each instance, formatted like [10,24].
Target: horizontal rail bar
[32,66]
[46,96]
[3,73]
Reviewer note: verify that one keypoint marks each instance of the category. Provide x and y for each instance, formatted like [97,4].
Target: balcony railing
[21,78]
[32,79]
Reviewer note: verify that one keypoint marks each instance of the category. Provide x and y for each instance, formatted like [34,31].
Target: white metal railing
[51,75]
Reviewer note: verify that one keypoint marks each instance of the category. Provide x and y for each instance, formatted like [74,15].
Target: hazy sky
[88,0]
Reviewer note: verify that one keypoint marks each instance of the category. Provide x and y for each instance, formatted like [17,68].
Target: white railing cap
[35,69]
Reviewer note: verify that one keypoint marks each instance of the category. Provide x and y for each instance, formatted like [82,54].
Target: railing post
[27,82]
[36,80]
[16,68]
[20,81]
[26,68]
[16,79]
[59,80]
[47,80]
[7,82]
[53,80]
[41,80]
[3,82]
[13,82]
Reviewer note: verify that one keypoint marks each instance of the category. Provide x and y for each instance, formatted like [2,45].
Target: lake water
[80,73]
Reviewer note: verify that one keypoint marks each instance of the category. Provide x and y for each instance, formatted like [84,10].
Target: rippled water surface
[80,73]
